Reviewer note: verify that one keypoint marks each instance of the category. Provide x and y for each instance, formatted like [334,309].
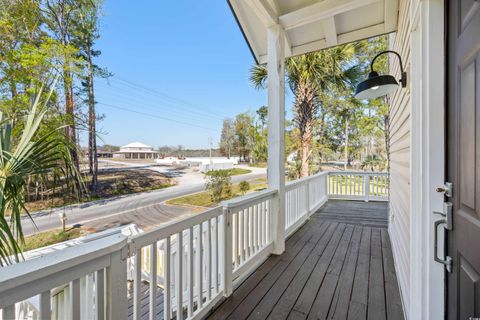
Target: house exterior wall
[400,154]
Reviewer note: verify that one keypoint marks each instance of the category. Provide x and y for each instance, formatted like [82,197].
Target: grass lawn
[258,164]
[50,237]
[236,171]
[203,199]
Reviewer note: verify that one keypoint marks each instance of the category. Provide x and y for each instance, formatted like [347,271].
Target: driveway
[135,205]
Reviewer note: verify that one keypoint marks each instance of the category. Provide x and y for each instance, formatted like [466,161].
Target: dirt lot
[112,182]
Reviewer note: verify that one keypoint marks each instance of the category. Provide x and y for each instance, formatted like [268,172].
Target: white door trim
[427,157]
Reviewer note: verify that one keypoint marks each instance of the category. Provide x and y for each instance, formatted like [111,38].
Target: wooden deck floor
[339,265]
[145,302]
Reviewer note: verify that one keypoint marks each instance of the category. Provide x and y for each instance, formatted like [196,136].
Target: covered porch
[268,254]
[337,253]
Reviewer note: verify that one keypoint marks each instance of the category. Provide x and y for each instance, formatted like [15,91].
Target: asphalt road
[139,202]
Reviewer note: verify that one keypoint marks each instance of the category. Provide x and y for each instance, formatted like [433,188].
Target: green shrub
[219,184]
[244,186]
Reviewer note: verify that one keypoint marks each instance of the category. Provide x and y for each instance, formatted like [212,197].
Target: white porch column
[276,132]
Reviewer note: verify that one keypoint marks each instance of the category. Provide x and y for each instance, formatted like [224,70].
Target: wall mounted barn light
[379,85]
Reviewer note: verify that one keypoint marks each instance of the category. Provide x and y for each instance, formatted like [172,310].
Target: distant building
[136,150]
[104,154]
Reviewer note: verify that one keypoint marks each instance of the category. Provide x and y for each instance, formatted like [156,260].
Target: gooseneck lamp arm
[403,79]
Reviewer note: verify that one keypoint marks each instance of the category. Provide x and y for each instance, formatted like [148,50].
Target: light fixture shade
[376,86]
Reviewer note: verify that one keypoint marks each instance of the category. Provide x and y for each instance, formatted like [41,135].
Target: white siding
[400,106]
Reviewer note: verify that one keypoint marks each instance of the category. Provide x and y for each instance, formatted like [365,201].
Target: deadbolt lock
[447,189]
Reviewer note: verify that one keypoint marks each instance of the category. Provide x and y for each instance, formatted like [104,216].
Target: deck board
[339,265]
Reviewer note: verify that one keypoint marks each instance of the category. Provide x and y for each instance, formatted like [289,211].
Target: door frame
[427,159]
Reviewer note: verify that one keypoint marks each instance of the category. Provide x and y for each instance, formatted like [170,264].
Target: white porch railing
[352,185]
[302,198]
[105,259]
[194,262]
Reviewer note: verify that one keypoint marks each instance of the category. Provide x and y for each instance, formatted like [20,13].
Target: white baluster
[167,294]
[209,264]
[179,276]
[137,286]
[75,299]
[199,266]
[190,272]
[153,281]
[45,307]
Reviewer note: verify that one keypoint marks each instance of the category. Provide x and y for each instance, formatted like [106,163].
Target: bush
[244,186]
[219,184]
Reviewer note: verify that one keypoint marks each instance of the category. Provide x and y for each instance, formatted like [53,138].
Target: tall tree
[259,135]
[59,15]
[25,54]
[86,33]
[227,138]
[307,76]
[243,124]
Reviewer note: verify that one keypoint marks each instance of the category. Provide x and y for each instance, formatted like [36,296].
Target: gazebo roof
[311,25]
[136,145]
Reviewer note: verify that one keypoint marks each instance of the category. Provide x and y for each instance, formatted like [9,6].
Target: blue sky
[182,60]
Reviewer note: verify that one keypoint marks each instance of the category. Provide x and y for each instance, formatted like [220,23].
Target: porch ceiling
[311,25]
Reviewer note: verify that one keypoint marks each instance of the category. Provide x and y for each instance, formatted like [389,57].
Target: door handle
[448,225]
[447,215]
[447,262]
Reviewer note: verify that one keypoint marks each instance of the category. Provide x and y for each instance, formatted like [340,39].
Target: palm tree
[308,76]
[33,153]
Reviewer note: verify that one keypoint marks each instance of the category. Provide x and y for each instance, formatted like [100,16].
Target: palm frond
[35,152]
[258,76]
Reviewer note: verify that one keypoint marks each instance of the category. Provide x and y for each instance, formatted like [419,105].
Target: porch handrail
[292,184]
[248,199]
[193,262]
[104,257]
[140,240]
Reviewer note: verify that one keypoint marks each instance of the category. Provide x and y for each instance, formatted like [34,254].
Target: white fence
[195,262]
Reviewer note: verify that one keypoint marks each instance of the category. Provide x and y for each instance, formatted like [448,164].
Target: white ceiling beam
[330,31]
[342,38]
[288,44]
[264,11]
[320,11]
[391,15]
[309,47]
[361,34]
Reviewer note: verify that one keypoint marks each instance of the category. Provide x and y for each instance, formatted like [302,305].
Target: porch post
[276,132]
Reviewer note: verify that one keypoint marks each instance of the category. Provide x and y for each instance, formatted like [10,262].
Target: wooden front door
[463,160]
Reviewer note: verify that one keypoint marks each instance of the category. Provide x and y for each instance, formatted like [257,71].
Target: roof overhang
[311,25]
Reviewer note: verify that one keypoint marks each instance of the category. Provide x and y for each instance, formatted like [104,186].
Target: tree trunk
[321,139]
[13,90]
[305,112]
[70,115]
[347,132]
[305,146]
[92,132]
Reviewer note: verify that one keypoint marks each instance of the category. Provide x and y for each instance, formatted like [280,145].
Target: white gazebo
[136,150]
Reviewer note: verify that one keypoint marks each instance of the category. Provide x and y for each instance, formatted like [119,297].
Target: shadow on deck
[339,265]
